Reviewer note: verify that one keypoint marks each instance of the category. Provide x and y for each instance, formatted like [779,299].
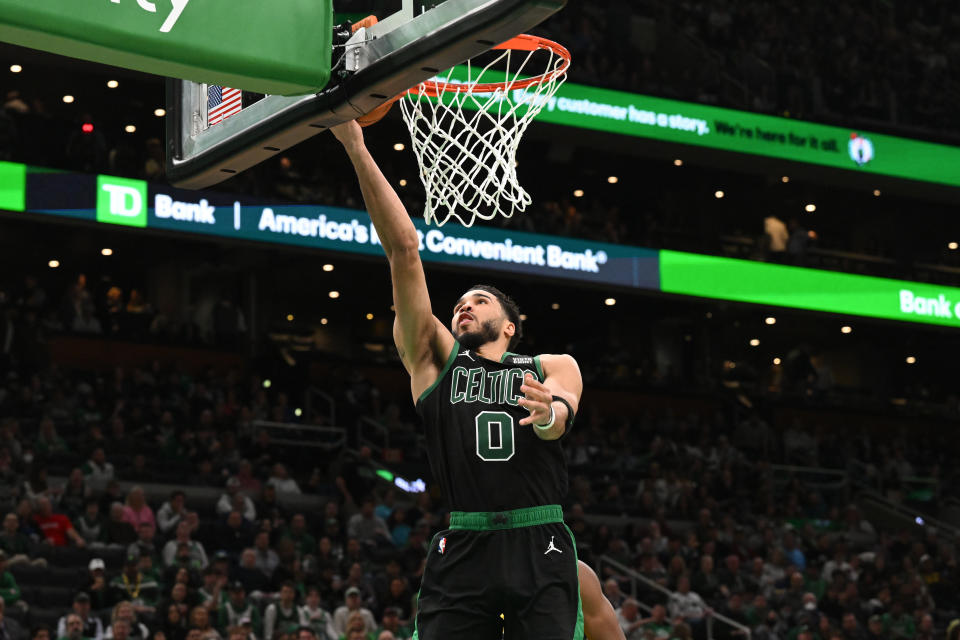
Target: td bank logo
[121,201]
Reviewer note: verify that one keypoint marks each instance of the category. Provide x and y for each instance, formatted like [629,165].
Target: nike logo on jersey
[552,547]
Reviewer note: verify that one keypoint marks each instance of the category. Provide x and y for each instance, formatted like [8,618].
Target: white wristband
[553,417]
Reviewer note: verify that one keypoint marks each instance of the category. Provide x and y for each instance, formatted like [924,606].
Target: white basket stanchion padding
[465,134]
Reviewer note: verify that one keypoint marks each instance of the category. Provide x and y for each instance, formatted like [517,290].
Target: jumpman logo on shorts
[552,547]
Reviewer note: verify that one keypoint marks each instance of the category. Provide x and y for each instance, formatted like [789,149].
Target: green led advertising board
[13,186]
[632,114]
[784,286]
[137,205]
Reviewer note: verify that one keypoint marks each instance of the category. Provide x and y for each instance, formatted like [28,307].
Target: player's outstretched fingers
[536,399]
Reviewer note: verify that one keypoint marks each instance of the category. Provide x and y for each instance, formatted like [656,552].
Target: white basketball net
[466,141]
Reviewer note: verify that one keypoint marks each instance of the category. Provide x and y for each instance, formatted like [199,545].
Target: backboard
[370,66]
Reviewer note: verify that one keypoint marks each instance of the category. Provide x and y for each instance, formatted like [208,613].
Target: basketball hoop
[465,133]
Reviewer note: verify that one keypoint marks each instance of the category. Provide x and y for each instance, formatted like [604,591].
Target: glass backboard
[412,42]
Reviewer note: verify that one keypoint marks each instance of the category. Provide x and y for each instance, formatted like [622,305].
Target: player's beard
[489,332]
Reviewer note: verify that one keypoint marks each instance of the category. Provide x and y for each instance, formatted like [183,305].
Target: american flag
[222,102]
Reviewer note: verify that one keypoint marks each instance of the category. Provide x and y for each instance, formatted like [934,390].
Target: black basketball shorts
[521,564]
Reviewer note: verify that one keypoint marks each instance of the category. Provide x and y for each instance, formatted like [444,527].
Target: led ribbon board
[799,288]
[136,205]
[632,114]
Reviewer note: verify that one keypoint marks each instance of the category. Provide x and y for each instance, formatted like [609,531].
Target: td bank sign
[123,201]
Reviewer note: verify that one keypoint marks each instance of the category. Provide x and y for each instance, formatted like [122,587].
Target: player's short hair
[510,307]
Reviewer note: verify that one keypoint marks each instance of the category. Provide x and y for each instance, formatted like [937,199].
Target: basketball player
[493,421]
[599,618]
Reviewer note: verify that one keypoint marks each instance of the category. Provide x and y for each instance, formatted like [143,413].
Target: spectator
[657,624]
[897,623]
[303,542]
[196,554]
[172,512]
[228,501]
[36,485]
[90,524]
[174,623]
[390,623]
[851,628]
[135,587]
[97,586]
[146,544]
[10,629]
[269,506]
[249,484]
[687,604]
[91,626]
[124,612]
[400,597]
[794,554]
[18,547]
[74,496]
[118,532]
[283,613]
[281,480]
[313,615]
[72,627]
[212,593]
[56,528]
[350,610]
[611,589]
[118,630]
[776,234]
[628,617]
[706,582]
[97,472]
[237,607]
[367,527]
[136,510]
[926,630]
[875,629]
[234,534]
[357,627]
[252,577]
[200,620]
[267,559]
[48,442]
[9,590]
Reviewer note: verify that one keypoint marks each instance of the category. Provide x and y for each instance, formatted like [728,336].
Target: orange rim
[521,42]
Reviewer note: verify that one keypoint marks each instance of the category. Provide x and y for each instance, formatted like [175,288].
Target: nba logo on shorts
[443,545]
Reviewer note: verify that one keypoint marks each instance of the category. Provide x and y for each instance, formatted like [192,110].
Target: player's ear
[510,329]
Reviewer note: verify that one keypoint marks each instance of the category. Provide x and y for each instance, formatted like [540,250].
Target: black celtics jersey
[481,455]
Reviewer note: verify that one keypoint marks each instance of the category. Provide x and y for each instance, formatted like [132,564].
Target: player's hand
[536,399]
[350,134]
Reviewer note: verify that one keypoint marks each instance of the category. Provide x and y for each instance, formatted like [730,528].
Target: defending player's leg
[599,618]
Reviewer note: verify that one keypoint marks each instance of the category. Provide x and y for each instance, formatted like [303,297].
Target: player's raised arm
[424,343]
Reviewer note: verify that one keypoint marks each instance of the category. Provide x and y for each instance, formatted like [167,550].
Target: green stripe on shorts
[514,519]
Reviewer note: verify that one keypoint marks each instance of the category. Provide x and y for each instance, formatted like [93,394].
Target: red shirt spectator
[56,527]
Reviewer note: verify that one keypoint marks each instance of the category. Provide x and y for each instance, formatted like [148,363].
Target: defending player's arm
[561,379]
[599,618]
[422,340]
